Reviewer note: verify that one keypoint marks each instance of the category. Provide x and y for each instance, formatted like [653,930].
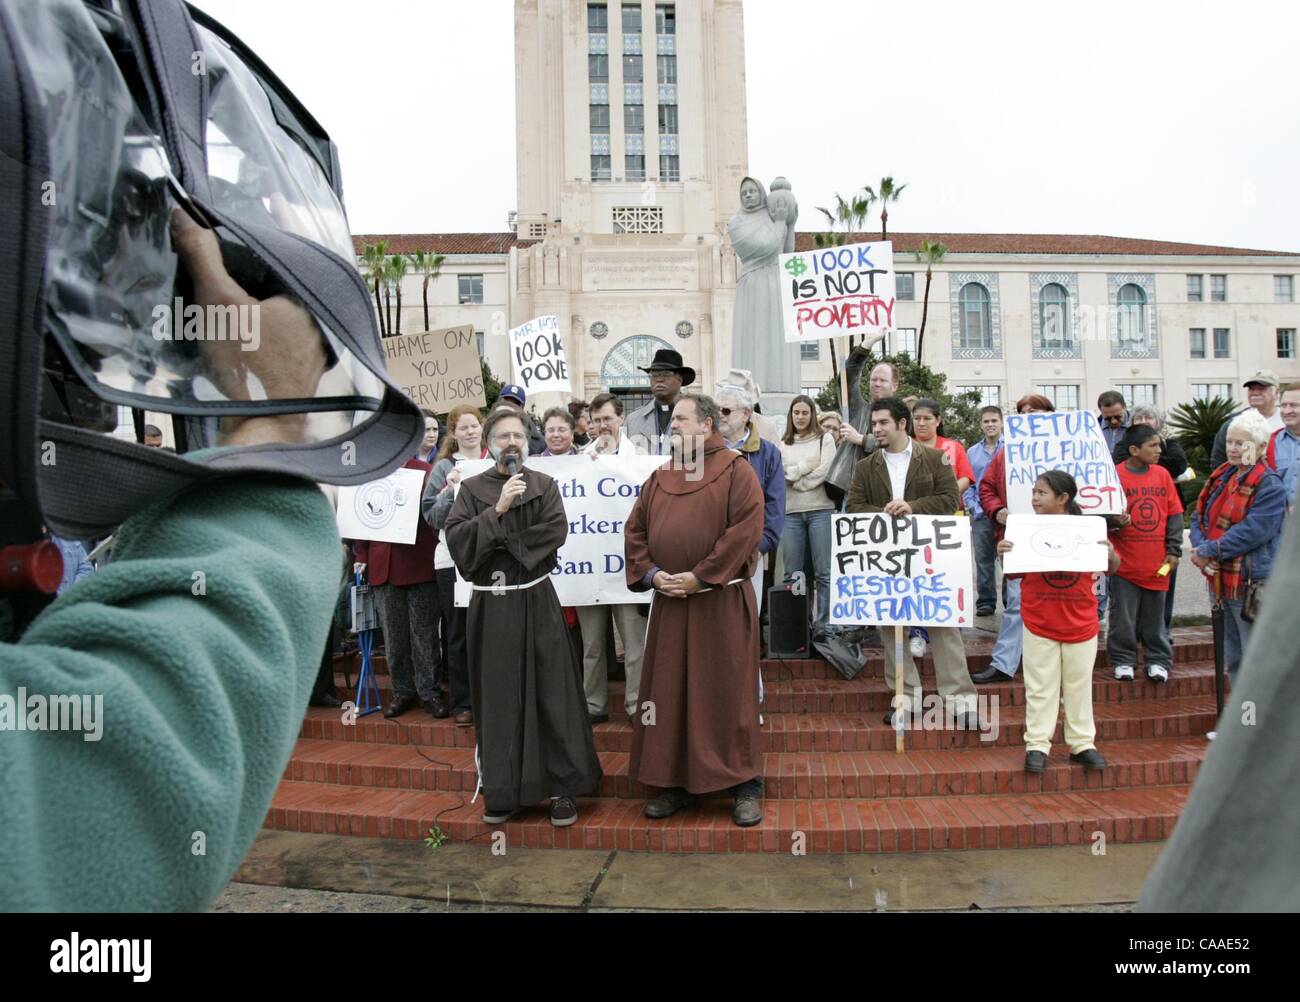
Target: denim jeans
[804,530]
[1006,652]
[984,542]
[1236,635]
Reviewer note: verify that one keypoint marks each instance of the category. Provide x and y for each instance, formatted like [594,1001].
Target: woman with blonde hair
[464,440]
[1236,528]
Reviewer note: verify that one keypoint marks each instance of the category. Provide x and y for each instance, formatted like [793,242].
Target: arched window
[1054,302]
[976,316]
[1132,317]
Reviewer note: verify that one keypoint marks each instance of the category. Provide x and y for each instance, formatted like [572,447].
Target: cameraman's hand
[288,362]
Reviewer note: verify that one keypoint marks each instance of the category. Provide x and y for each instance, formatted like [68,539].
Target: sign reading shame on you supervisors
[437,369]
[908,570]
[1064,440]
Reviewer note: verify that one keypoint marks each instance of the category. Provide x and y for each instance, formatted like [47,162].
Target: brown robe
[701,652]
[525,678]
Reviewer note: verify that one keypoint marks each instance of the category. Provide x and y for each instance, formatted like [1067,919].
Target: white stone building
[631,131]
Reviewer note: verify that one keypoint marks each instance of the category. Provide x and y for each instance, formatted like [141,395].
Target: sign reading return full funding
[834,291]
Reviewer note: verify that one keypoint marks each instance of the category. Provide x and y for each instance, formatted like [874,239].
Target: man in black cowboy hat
[648,427]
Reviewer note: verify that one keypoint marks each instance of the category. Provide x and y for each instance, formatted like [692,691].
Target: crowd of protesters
[767,492]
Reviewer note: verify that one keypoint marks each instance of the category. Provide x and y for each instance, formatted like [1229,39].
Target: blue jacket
[765,458]
[1256,535]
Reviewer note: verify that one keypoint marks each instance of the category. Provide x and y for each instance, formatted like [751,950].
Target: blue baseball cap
[513,392]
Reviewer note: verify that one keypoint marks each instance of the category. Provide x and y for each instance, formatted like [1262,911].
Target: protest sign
[838,290]
[437,369]
[1064,440]
[1055,543]
[537,356]
[598,497]
[908,570]
[385,510]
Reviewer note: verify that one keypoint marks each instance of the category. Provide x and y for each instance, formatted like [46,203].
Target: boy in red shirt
[1149,538]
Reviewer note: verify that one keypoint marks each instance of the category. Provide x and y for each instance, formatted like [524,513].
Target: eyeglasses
[725,411]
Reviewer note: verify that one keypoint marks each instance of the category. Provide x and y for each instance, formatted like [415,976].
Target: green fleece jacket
[203,637]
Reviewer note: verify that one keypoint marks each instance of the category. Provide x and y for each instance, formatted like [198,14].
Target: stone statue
[759,233]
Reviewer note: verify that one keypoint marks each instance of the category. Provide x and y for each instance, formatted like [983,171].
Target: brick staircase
[829,764]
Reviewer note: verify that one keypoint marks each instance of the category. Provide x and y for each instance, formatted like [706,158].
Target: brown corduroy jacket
[931,486]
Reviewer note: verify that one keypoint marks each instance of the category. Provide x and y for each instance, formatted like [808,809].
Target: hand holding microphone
[514,487]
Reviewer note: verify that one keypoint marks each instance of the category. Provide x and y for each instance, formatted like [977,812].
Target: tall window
[670,164]
[905,286]
[976,316]
[598,84]
[1196,342]
[1138,393]
[469,289]
[1211,391]
[810,351]
[632,72]
[478,340]
[901,341]
[631,19]
[1222,339]
[1286,342]
[1055,304]
[1218,288]
[1284,288]
[990,394]
[1064,395]
[1132,318]
[1195,291]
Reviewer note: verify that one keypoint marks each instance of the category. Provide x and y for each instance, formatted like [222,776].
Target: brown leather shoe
[400,705]
[465,718]
[437,708]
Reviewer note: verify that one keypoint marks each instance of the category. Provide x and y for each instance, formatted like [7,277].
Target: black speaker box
[787,619]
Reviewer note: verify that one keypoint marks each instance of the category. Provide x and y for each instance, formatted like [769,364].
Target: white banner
[598,497]
[911,570]
[537,356]
[1055,543]
[385,510]
[1064,440]
[838,290]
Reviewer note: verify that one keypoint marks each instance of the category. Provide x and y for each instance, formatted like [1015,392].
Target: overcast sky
[1143,119]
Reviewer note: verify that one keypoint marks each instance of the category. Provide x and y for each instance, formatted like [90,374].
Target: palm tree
[429,265]
[888,193]
[395,271]
[850,214]
[931,252]
[373,255]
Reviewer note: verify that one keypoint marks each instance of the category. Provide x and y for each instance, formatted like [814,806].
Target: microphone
[512,464]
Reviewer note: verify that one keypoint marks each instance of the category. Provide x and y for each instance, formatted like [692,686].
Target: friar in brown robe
[693,536]
[530,709]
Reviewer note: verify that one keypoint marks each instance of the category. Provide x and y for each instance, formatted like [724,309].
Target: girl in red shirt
[1059,611]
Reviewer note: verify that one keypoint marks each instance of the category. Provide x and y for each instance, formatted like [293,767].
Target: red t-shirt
[957,458]
[1152,498]
[1060,606]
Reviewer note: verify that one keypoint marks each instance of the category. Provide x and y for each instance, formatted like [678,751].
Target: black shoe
[598,718]
[564,812]
[985,612]
[400,705]
[669,803]
[437,708]
[1035,761]
[990,674]
[327,699]
[748,812]
[492,816]
[1090,759]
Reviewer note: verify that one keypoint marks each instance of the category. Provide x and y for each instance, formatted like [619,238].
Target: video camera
[113,114]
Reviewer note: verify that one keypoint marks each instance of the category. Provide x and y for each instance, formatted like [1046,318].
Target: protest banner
[598,497]
[437,369]
[1055,543]
[908,570]
[537,356]
[386,510]
[835,291]
[1064,440]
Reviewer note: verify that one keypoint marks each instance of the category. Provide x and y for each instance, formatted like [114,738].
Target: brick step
[790,732]
[993,770]
[873,693]
[826,826]
[1191,644]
